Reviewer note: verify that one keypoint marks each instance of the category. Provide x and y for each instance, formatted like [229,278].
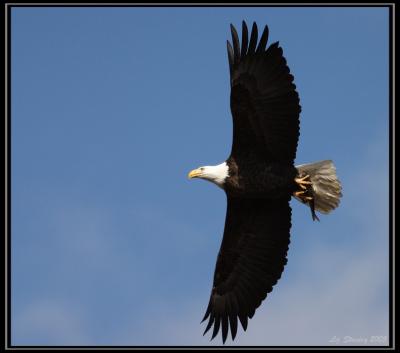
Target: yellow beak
[194,173]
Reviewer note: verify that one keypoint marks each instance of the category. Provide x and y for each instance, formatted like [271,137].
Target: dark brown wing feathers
[250,261]
[264,102]
[253,40]
[236,46]
[263,40]
[245,38]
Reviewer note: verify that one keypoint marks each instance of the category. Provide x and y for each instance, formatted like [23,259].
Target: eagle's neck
[216,173]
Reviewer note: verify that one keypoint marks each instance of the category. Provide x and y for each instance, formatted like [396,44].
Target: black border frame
[8,284]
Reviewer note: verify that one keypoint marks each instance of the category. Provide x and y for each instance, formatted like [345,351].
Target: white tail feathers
[326,187]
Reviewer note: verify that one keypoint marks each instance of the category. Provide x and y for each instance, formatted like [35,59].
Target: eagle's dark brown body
[251,177]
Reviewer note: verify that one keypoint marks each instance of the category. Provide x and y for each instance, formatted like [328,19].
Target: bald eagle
[259,179]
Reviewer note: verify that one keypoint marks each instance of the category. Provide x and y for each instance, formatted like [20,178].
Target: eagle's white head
[214,173]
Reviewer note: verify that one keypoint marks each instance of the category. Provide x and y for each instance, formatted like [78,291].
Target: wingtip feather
[230,56]
[245,40]
[210,322]
[263,40]
[235,43]
[253,39]
[243,321]
[225,329]
[217,323]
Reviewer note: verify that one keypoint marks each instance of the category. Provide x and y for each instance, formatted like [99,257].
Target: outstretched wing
[250,261]
[264,102]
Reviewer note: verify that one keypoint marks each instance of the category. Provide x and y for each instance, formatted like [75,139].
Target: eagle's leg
[304,192]
[300,195]
[303,181]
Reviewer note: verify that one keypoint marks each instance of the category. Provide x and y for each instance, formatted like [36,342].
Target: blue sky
[111,107]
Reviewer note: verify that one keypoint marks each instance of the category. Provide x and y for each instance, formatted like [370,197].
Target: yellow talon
[303,181]
[299,193]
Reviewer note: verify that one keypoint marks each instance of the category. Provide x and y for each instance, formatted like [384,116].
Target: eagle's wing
[264,102]
[250,261]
